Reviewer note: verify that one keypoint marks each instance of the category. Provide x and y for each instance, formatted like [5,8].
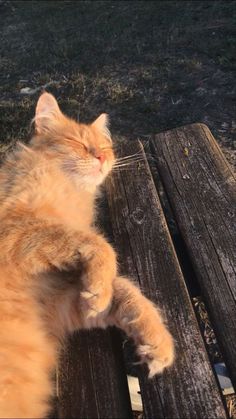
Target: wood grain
[91,378]
[188,389]
[92,381]
[201,188]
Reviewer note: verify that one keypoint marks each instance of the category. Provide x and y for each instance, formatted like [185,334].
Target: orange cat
[57,272]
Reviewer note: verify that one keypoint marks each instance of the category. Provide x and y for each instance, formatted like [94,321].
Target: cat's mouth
[96,170]
[99,172]
[100,169]
[94,173]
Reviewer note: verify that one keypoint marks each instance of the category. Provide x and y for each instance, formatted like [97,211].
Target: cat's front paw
[157,354]
[96,299]
[97,281]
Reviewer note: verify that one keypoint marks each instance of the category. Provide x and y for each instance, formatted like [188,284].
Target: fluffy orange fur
[58,273]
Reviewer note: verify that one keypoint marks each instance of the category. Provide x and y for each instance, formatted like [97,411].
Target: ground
[151,65]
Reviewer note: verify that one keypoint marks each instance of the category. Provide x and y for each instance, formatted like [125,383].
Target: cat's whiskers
[139,153]
[121,162]
[127,163]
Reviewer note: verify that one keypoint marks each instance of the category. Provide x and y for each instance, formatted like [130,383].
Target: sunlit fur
[58,273]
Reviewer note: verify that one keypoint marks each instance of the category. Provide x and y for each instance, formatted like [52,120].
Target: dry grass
[152,65]
[231,405]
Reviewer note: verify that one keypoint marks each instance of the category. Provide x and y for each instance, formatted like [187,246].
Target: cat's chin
[98,175]
[91,182]
[98,178]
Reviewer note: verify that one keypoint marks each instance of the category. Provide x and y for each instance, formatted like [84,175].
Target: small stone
[27,91]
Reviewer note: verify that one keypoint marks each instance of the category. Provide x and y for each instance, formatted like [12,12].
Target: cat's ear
[102,125]
[47,113]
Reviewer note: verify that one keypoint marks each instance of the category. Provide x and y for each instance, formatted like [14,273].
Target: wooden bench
[182,174]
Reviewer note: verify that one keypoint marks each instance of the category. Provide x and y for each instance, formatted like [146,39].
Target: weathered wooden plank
[91,378]
[141,236]
[201,188]
[92,381]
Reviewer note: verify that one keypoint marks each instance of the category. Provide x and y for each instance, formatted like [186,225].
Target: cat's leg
[142,321]
[45,248]
[99,272]
[129,310]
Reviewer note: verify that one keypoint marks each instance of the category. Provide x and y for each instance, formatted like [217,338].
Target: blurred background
[152,65]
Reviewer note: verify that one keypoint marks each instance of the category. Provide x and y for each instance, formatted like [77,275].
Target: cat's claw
[87,295]
[92,313]
[95,302]
[157,356]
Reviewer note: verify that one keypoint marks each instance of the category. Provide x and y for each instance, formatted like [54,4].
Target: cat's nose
[101,157]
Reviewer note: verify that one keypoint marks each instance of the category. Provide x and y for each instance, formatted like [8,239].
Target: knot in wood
[138,216]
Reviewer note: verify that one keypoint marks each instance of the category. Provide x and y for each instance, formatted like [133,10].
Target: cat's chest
[83,216]
[78,214]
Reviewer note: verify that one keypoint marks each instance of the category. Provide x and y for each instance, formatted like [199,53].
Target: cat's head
[84,152]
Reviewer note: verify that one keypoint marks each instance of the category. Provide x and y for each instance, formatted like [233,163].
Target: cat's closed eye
[77,143]
[106,148]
